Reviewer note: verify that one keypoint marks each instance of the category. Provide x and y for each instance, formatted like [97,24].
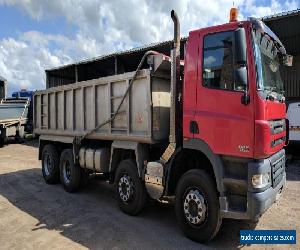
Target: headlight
[260,180]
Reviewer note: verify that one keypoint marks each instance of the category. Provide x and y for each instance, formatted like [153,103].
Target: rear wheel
[70,173]
[50,164]
[129,188]
[197,206]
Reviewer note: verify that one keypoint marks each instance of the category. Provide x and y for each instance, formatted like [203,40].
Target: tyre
[50,164]
[197,206]
[70,173]
[129,188]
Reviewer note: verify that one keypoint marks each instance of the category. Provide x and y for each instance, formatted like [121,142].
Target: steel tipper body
[209,130]
[75,109]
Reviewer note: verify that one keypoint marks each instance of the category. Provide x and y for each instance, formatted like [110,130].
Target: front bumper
[258,203]
[259,200]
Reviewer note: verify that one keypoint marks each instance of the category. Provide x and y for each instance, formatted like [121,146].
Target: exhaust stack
[175,78]
[175,75]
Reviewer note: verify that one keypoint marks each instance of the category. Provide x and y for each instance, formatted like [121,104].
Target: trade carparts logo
[268,236]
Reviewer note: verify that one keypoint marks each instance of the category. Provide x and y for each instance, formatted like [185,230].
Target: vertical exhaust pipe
[175,75]
[175,78]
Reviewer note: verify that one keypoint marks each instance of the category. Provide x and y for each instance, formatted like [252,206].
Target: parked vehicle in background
[3,88]
[13,118]
[23,93]
[293,115]
[16,117]
[209,129]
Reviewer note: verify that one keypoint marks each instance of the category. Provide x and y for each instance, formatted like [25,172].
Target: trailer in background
[293,115]
[3,88]
[23,93]
[13,118]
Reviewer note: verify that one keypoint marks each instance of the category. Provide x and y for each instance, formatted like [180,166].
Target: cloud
[23,65]
[106,26]
[272,8]
[209,60]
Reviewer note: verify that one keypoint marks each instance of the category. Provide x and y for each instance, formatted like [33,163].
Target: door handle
[194,129]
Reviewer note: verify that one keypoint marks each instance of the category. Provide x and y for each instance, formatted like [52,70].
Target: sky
[39,34]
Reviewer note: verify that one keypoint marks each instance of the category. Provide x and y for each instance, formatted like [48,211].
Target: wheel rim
[125,187]
[194,207]
[66,172]
[47,164]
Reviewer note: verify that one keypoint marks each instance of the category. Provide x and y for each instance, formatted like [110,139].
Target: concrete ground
[34,215]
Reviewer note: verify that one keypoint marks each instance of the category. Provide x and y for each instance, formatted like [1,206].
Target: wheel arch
[121,150]
[195,154]
[59,143]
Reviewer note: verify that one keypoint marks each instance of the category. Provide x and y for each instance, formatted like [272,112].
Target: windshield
[267,65]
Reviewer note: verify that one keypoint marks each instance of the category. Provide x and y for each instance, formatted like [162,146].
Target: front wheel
[197,206]
[129,188]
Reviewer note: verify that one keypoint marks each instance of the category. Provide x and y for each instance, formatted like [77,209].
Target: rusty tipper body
[207,126]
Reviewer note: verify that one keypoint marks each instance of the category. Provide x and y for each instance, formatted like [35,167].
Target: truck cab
[234,114]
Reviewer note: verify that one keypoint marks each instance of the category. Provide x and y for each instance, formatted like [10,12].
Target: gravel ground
[34,215]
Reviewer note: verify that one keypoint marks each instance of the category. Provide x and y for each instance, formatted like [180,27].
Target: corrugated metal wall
[291,80]
[116,63]
[287,28]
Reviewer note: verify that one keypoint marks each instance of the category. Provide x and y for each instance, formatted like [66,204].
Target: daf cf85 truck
[206,127]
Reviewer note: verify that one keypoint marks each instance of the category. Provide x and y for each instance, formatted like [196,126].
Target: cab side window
[218,63]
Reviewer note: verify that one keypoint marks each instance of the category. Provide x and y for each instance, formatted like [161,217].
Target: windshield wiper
[272,95]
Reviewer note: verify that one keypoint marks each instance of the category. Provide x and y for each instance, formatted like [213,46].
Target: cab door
[224,122]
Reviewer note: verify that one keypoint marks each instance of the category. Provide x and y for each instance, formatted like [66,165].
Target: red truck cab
[239,122]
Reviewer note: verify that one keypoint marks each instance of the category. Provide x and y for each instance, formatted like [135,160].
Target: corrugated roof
[286,26]
[118,53]
[281,15]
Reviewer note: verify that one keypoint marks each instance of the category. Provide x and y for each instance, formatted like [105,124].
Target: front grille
[278,141]
[278,170]
[277,126]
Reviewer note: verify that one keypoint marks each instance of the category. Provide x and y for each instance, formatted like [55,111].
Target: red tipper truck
[208,130]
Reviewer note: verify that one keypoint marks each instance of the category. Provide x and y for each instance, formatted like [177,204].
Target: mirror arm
[246,97]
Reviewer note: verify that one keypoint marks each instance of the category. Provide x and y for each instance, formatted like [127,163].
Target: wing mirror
[287,60]
[240,69]
[240,79]
[240,52]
